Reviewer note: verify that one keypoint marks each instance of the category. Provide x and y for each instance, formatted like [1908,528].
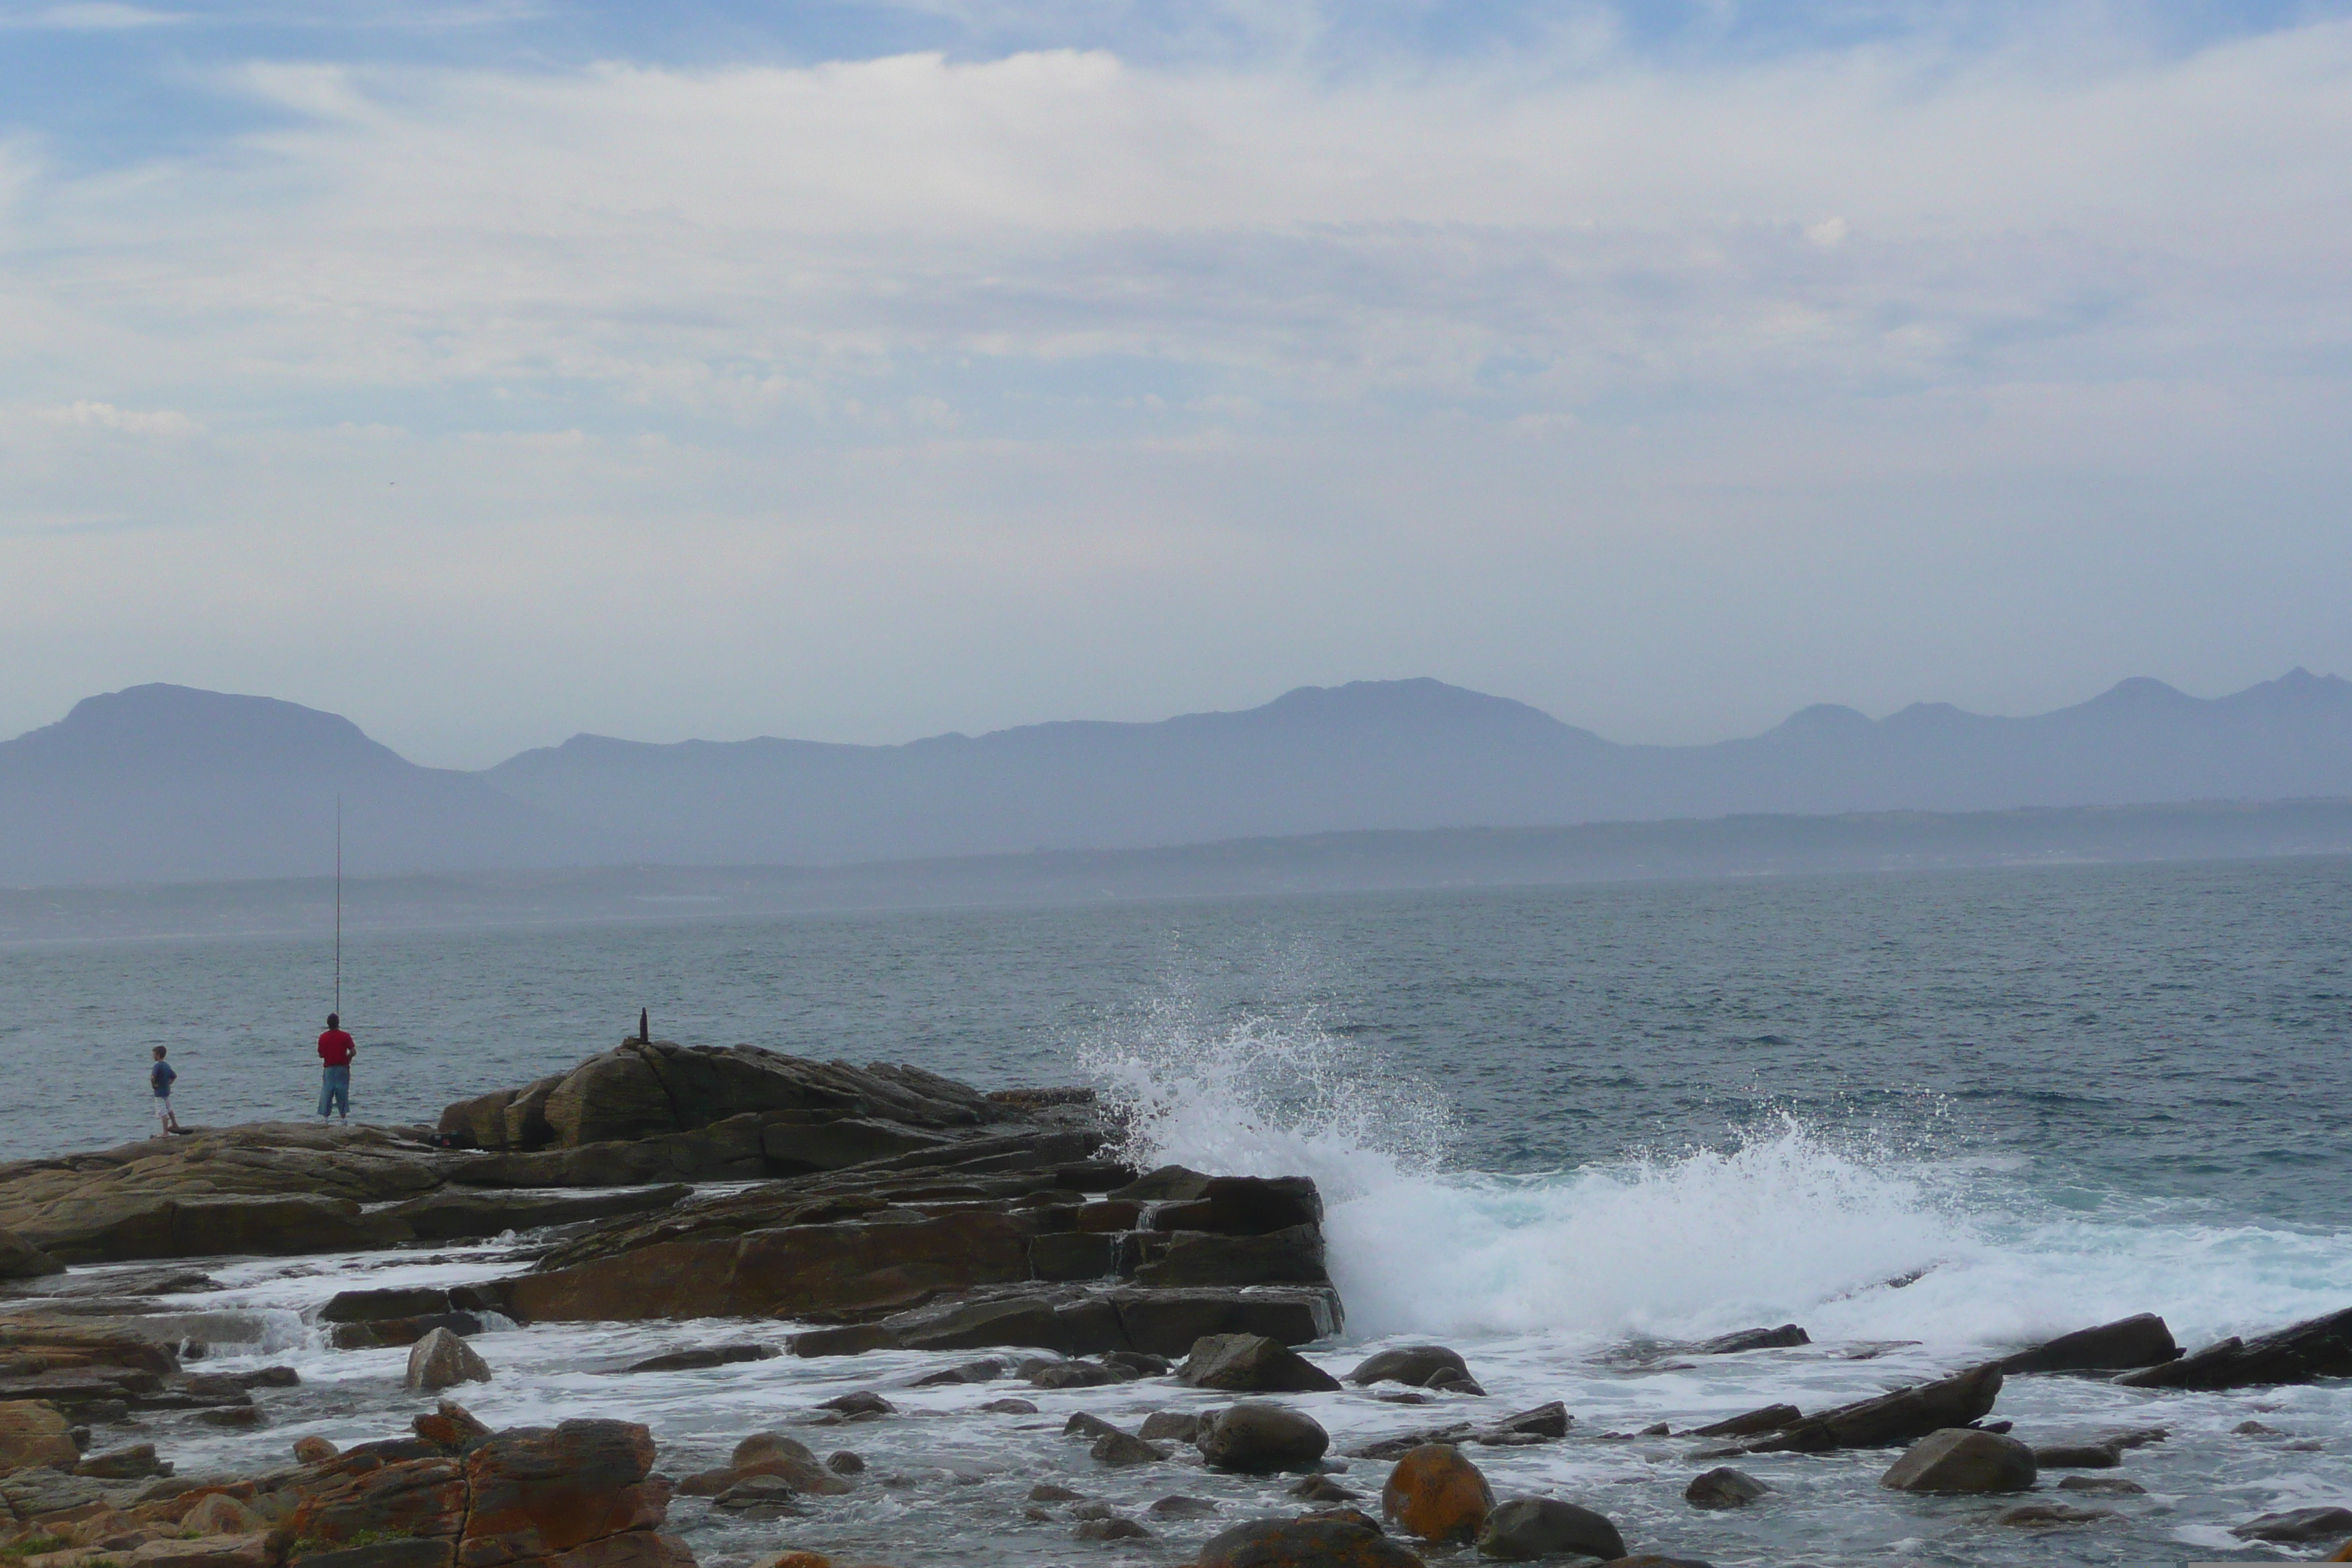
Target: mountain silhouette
[164,783]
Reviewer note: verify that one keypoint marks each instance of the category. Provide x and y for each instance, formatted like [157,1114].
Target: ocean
[1560,1128]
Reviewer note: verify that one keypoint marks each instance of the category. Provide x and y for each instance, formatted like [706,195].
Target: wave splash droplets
[1707,1241]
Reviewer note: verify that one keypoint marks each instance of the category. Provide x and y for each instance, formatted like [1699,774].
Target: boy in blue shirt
[160,1077]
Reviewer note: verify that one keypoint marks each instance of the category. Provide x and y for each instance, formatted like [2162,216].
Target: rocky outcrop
[2141,1339]
[1890,1419]
[1436,1494]
[1959,1460]
[2304,1353]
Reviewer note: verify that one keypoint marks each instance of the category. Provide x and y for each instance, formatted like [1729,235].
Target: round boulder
[1415,1364]
[1436,1494]
[1525,1529]
[1962,1459]
[1324,1542]
[1723,1488]
[1258,1437]
[314,1450]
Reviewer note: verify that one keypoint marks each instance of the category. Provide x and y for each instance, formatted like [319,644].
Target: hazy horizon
[900,368]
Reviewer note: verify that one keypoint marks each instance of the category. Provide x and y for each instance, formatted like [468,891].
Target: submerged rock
[441,1360]
[2078,1456]
[1173,1426]
[1260,1438]
[1119,1450]
[2295,1527]
[1958,1459]
[1781,1338]
[1436,1494]
[2043,1515]
[2119,1486]
[1723,1488]
[1414,1364]
[1528,1528]
[1252,1364]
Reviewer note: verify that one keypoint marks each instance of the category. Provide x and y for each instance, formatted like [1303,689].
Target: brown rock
[442,1359]
[222,1515]
[1252,1364]
[132,1463]
[541,1492]
[35,1434]
[360,1493]
[20,1260]
[1958,1459]
[1437,1495]
[1903,1416]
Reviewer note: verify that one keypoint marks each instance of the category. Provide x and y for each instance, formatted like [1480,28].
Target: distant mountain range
[166,784]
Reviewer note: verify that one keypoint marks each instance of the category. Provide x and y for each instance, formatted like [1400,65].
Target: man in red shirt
[335,1049]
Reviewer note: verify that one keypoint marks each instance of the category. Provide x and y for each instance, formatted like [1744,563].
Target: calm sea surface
[1551,1124]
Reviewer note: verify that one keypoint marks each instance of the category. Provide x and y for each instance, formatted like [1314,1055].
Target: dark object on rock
[2296,1527]
[1085,1424]
[441,1360]
[1173,1426]
[1252,1364]
[2043,1515]
[2121,1485]
[1902,1417]
[865,1402]
[1323,1489]
[2077,1457]
[1781,1338]
[703,1356]
[20,1260]
[1349,1540]
[1112,1529]
[1181,1507]
[1259,1437]
[1414,1364]
[1723,1488]
[1118,1451]
[1010,1407]
[134,1463]
[1436,1494]
[2142,1340]
[842,1462]
[1958,1460]
[1046,1491]
[1754,1424]
[1531,1527]
[2317,1348]
[1544,1421]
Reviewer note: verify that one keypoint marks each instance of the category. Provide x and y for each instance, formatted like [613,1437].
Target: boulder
[1437,1495]
[2120,1486]
[441,1360]
[1010,1407]
[1076,1375]
[314,1450]
[20,1260]
[1903,1416]
[1181,1507]
[1525,1529]
[616,1095]
[221,1514]
[2142,1340]
[1781,1338]
[1252,1364]
[1723,1488]
[702,1356]
[1173,1426]
[34,1434]
[387,1332]
[117,1227]
[2303,1353]
[135,1463]
[1348,1540]
[2297,1527]
[543,1491]
[1115,1527]
[367,1494]
[758,1497]
[1547,1421]
[1414,1364]
[1753,1423]
[1259,1437]
[1088,1425]
[1118,1451]
[1959,1460]
[2077,1457]
[479,1122]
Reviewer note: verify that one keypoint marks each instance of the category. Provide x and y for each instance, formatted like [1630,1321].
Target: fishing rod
[338,1008]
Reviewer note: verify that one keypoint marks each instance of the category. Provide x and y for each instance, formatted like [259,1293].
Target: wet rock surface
[1437,1495]
[1958,1459]
[2300,1352]
[1525,1529]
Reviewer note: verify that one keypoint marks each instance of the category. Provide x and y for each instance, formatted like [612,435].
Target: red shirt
[335,1048]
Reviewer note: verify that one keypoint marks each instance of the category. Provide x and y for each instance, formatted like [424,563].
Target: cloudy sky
[490,372]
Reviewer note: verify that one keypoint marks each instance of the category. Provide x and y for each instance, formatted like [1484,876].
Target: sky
[492,371]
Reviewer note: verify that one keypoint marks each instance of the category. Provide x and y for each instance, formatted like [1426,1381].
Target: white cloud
[1052,383]
[88,16]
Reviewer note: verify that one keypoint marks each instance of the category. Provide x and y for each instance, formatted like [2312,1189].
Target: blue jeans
[335,1090]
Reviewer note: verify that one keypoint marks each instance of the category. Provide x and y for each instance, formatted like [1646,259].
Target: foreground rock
[1963,1460]
[1528,1528]
[1436,1494]
[1341,1539]
[2143,1340]
[1902,1417]
[2304,1353]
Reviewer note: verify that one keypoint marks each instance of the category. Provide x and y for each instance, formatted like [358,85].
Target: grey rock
[1173,1426]
[2077,1457]
[1902,1417]
[2142,1340]
[1048,1492]
[441,1360]
[1414,1364]
[2295,1527]
[1958,1459]
[1525,1529]
[1786,1335]
[1260,1438]
[1085,1424]
[1010,1407]
[1119,1450]
[1340,1540]
[2300,1352]
[1723,1488]
[1181,1507]
[1112,1529]
[865,1402]
[2043,1515]
[2119,1486]
[1753,1423]
[1252,1364]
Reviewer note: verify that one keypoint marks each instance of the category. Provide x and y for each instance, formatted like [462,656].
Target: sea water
[1562,1129]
